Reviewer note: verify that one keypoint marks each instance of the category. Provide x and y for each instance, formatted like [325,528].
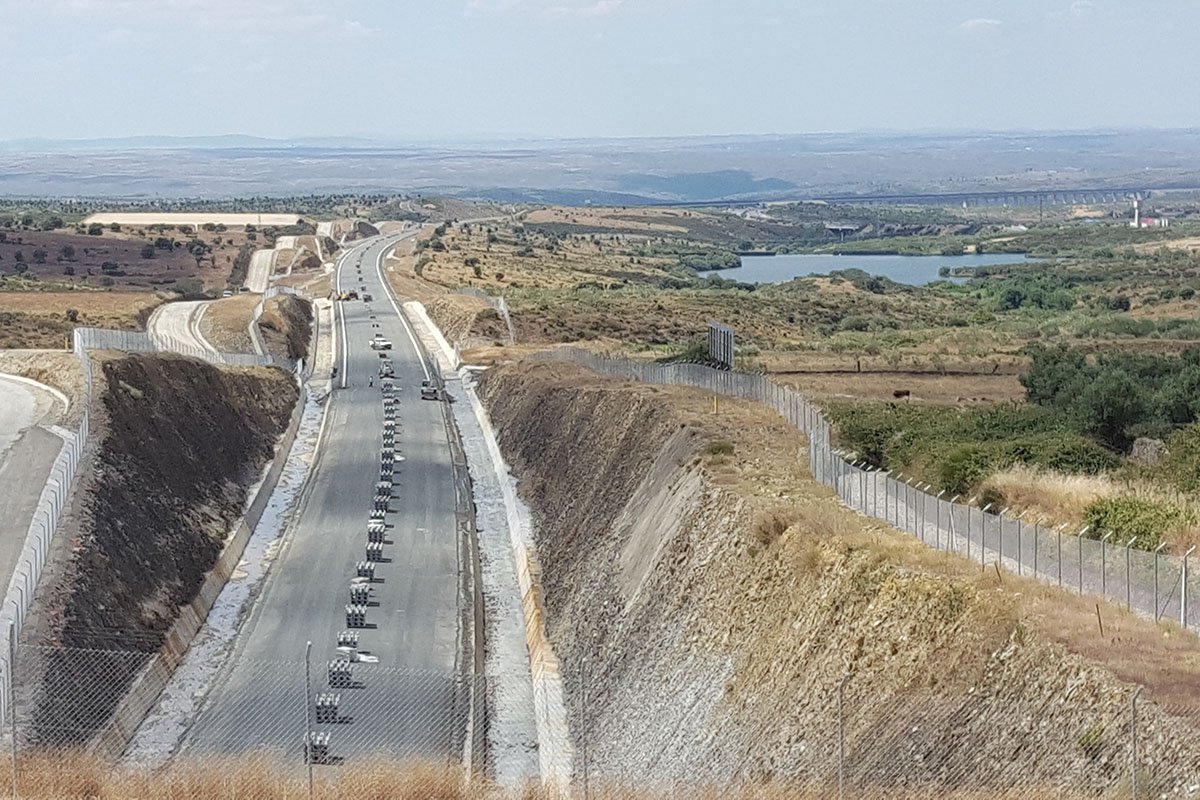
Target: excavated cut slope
[179,442]
[719,596]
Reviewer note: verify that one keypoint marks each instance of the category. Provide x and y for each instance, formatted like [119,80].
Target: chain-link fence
[350,725]
[1157,585]
[142,342]
[499,304]
[260,347]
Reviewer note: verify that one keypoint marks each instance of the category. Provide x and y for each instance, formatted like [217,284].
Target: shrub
[964,467]
[1144,520]
[721,447]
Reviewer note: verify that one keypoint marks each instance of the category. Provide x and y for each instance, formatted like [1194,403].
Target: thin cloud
[547,8]
[353,27]
[981,25]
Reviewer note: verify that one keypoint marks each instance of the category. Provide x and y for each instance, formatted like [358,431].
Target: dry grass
[95,308]
[43,319]
[574,261]
[1063,499]
[923,387]
[768,471]
[630,219]
[1059,498]
[225,322]
[266,777]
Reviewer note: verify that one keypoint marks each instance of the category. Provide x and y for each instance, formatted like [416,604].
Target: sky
[478,69]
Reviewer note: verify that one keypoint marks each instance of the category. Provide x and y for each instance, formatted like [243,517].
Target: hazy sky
[474,68]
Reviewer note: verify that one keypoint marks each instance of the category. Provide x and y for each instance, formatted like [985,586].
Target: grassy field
[44,319]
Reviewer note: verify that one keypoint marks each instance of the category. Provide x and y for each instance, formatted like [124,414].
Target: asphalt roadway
[410,703]
[27,453]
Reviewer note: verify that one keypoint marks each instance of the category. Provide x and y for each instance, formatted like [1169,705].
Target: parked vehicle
[429,390]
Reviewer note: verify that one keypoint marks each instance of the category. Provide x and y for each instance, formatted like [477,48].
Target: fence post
[937,522]
[308,706]
[1020,549]
[1157,554]
[1103,563]
[1183,593]
[1133,778]
[1079,542]
[12,704]
[1001,542]
[862,485]
[983,535]
[968,506]
[875,494]
[1129,573]
[1036,548]
[924,494]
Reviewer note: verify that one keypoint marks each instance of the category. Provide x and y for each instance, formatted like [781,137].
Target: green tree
[1112,402]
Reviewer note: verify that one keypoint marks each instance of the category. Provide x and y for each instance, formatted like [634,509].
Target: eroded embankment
[286,326]
[720,596]
[178,444]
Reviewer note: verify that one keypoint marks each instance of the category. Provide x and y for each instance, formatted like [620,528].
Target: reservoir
[912,270]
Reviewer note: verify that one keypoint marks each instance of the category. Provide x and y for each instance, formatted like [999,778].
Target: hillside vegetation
[720,597]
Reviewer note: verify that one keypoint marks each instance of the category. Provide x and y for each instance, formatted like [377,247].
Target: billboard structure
[720,345]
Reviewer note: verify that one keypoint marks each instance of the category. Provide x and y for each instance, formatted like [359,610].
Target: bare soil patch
[81,259]
[226,323]
[908,387]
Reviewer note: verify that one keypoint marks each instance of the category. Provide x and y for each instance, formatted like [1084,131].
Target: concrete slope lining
[555,752]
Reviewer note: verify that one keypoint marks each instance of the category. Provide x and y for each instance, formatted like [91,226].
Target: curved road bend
[178,323]
[410,704]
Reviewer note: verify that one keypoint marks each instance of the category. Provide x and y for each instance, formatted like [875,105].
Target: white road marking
[392,298]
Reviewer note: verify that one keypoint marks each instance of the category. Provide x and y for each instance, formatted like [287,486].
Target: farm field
[195,219]
[115,260]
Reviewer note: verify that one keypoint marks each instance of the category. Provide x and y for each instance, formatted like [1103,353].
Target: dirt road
[262,264]
[177,325]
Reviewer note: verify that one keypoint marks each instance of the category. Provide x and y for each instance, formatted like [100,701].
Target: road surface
[410,704]
[177,325]
[27,453]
